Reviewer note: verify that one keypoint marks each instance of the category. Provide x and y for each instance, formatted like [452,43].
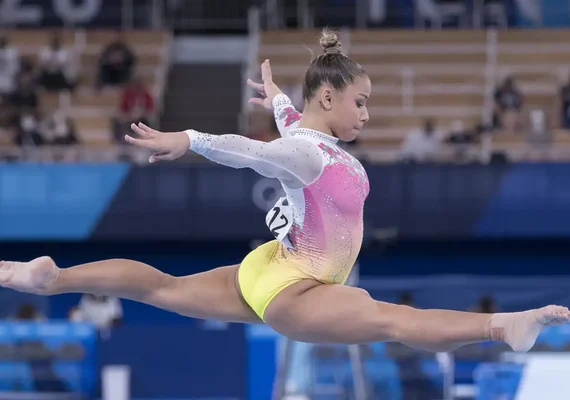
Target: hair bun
[330,43]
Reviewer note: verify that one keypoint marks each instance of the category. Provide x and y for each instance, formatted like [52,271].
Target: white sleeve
[286,117]
[295,161]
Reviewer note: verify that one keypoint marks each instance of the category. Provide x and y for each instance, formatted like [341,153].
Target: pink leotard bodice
[320,220]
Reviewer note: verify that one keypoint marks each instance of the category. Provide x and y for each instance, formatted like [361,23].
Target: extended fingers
[257,101]
[266,74]
[143,131]
[146,143]
[257,86]
[165,156]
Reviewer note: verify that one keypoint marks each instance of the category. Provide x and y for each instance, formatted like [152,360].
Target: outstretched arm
[295,161]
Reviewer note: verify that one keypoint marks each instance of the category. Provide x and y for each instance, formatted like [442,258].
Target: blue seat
[497,380]
[71,345]
[384,378]
[71,374]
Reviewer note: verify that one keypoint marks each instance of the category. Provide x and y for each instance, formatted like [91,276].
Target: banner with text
[61,13]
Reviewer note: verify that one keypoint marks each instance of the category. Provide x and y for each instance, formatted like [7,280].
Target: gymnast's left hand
[165,145]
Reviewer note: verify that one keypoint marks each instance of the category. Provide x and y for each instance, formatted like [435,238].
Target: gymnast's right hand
[38,276]
[268,89]
[165,146]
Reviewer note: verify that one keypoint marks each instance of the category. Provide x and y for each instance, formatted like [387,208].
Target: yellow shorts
[261,277]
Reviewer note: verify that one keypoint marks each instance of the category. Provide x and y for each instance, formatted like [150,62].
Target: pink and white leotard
[320,220]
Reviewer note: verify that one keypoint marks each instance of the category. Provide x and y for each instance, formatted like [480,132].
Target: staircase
[205,97]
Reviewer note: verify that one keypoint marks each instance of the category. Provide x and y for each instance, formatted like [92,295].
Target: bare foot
[36,276]
[520,330]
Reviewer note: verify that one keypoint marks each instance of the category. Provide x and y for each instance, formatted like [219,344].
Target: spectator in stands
[25,97]
[9,66]
[7,117]
[56,65]
[136,105]
[24,102]
[28,130]
[508,105]
[102,311]
[460,139]
[28,71]
[58,129]
[116,64]
[423,144]
[564,105]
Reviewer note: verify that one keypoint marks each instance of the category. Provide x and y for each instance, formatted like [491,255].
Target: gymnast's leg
[313,312]
[209,295]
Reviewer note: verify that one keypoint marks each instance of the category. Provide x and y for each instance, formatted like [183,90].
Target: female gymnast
[295,282]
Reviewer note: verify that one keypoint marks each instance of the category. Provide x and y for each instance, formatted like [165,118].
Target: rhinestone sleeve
[286,116]
[294,160]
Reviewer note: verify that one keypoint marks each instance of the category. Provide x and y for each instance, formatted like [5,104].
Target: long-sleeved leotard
[286,116]
[320,221]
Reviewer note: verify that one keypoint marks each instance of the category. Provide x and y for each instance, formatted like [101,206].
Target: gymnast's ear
[325,101]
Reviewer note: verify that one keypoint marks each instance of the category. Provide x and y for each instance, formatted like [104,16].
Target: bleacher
[90,110]
[447,75]
[54,360]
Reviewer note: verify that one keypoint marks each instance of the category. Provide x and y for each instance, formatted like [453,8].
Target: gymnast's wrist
[192,137]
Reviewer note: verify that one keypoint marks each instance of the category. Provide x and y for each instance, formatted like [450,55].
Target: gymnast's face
[348,113]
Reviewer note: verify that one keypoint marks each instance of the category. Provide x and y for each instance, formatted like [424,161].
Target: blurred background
[467,151]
